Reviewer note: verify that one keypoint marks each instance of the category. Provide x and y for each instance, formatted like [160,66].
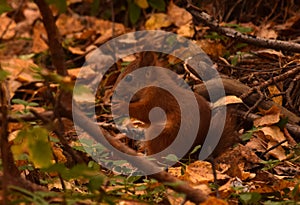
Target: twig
[273,147]
[202,17]
[27,117]
[290,73]
[56,49]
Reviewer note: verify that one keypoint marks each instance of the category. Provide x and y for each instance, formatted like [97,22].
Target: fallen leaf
[8,26]
[157,21]
[179,16]
[278,152]
[20,72]
[39,37]
[76,50]
[211,48]
[201,172]
[227,100]
[267,31]
[68,24]
[273,91]
[271,117]
[214,201]
[274,133]
[186,30]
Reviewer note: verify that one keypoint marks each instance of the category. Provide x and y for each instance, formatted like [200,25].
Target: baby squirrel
[150,97]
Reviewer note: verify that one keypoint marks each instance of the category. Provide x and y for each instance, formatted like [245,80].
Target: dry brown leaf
[267,31]
[289,24]
[278,152]
[157,21]
[227,100]
[76,50]
[20,72]
[186,30]
[68,24]
[273,91]
[257,143]
[86,34]
[101,26]
[109,34]
[267,137]
[270,53]
[58,152]
[214,201]
[274,133]
[211,48]
[7,25]
[39,37]
[271,117]
[200,172]
[31,12]
[179,16]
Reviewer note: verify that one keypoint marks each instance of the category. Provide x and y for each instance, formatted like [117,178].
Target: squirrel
[147,98]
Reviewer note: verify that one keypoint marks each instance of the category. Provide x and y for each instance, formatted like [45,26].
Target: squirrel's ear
[148,58]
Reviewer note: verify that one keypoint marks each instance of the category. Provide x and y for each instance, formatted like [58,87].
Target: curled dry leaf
[227,100]
[270,117]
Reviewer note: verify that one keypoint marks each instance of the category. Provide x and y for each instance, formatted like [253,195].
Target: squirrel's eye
[128,78]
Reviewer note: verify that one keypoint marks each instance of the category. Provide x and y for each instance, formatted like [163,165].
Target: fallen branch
[235,87]
[202,17]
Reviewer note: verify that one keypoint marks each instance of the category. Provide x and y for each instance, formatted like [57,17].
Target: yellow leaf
[142,3]
[157,21]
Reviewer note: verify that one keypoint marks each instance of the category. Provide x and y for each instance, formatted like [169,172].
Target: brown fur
[147,98]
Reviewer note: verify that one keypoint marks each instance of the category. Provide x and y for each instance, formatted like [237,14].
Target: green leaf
[234,60]
[195,149]
[157,4]
[134,12]
[33,104]
[172,158]
[3,75]
[96,182]
[250,198]
[40,152]
[20,101]
[240,28]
